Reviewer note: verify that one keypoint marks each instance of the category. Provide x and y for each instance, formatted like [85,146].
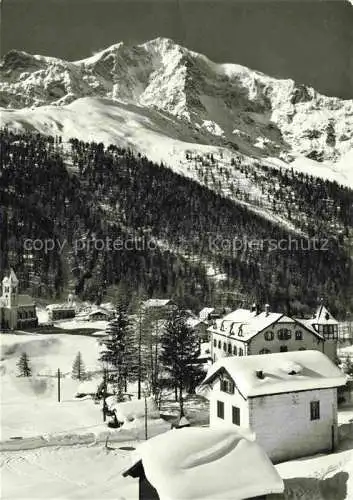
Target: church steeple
[10,289]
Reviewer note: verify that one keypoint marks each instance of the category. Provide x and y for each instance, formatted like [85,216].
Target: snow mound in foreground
[202,463]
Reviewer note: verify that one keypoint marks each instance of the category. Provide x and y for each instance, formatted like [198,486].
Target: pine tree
[119,352]
[78,368]
[23,366]
[348,366]
[179,353]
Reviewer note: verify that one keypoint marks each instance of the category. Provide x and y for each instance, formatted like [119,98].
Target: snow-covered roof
[65,306]
[280,372]
[196,463]
[193,322]
[156,302]
[239,315]
[100,310]
[307,323]
[324,317]
[248,326]
[25,300]
[245,324]
[205,312]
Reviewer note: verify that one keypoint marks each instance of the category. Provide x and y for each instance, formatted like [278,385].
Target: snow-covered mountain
[157,96]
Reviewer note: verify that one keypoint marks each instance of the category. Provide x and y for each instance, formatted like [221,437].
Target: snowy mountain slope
[150,132]
[192,99]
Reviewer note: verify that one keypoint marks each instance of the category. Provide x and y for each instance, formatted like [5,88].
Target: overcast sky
[308,40]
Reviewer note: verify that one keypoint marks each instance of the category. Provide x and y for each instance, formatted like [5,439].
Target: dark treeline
[87,192]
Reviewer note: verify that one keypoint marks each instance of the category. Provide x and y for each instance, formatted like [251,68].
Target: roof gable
[308,325]
[324,317]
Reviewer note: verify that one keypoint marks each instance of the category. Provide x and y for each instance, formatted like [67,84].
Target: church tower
[10,290]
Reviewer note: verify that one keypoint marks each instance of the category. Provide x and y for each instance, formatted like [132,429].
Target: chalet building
[60,311]
[16,311]
[245,332]
[100,314]
[288,400]
[195,462]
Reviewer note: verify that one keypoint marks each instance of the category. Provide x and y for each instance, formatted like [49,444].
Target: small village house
[195,462]
[60,311]
[288,400]
[17,311]
[100,314]
[245,332]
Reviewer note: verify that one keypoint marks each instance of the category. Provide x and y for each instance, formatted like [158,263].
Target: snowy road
[66,473]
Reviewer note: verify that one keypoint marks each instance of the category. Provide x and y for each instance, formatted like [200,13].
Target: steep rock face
[242,107]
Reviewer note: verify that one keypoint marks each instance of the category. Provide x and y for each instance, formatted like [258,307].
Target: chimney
[260,374]
[253,307]
[257,309]
[267,309]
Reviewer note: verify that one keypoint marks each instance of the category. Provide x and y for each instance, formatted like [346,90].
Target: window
[298,335]
[229,348]
[269,335]
[265,351]
[241,351]
[220,409]
[330,331]
[235,350]
[215,343]
[227,386]
[219,344]
[284,334]
[315,410]
[283,348]
[224,347]
[236,415]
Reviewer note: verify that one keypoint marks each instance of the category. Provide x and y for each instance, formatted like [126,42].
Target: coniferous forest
[79,195]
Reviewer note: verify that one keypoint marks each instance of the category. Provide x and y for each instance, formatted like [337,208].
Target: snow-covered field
[74,324]
[48,352]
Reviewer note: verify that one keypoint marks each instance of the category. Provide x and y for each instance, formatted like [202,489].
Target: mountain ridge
[224,104]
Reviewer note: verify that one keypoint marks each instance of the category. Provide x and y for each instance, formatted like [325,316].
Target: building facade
[288,400]
[16,311]
[246,332]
